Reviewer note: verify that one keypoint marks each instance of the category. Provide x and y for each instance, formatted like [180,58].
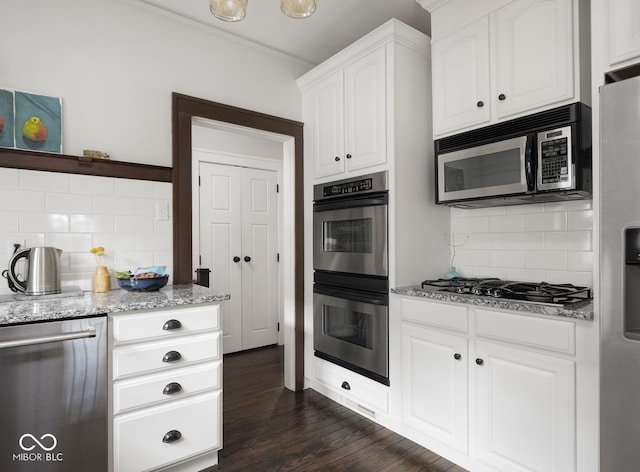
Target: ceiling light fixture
[235,10]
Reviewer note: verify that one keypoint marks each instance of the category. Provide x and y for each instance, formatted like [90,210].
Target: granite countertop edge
[582,313]
[95,304]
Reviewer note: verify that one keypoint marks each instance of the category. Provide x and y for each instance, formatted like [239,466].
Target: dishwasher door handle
[90,333]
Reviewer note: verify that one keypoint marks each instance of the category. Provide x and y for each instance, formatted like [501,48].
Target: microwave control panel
[555,163]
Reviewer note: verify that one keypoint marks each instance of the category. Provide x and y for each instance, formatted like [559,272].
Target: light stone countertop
[93,304]
[583,312]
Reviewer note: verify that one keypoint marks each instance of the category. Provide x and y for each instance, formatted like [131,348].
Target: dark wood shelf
[33,160]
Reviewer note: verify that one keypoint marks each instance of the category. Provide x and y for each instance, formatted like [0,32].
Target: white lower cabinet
[166,389]
[434,389]
[498,397]
[524,409]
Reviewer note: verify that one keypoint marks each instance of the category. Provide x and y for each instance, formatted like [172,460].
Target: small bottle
[452,273]
[101,280]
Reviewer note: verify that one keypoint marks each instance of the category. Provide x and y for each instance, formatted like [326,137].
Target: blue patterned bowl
[143,285]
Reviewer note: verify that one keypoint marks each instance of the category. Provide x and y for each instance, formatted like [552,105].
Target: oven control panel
[555,165]
[364,184]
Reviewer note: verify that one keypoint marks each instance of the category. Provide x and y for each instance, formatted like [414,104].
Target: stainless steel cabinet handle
[172,356]
[91,333]
[172,324]
[172,436]
[171,388]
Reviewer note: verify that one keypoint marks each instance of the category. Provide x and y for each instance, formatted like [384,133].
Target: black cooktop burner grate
[542,292]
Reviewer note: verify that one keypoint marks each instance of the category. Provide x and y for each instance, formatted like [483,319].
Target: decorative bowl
[152,284]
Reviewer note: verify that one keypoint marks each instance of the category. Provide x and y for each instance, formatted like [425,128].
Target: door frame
[184,110]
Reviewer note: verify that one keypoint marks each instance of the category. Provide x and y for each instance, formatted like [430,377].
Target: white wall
[76,212]
[115,63]
[549,242]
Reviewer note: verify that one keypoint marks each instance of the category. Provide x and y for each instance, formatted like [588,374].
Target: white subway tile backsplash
[64,202]
[536,242]
[114,242]
[91,185]
[162,190]
[69,242]
[145,206]
[9,179]
[531,240]
[44,181]
[79,223]
[21,200]
[546,260]
[132,260]
[506,258]
[506,224]
[9,222]
[568,241]
[110,205]
[555,221]
[37,222]
[134,224]
[134,188]
[153,242]
[582,219]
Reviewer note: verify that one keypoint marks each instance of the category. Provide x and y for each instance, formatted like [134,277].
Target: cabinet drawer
[440,315]
[148,357]
[159,324]
[360,390]
[553,335]
[138,437]
[150,389]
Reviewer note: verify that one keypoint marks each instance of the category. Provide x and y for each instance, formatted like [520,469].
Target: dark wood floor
[268,428]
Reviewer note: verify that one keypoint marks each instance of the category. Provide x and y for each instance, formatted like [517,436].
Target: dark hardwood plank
[268,428]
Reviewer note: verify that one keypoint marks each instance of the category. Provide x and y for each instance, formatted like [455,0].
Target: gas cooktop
[565,295]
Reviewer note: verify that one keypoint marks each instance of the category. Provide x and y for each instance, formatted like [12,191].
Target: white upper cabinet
[534,55]
[624,24]
[348,117]
[461,90]
[519,58]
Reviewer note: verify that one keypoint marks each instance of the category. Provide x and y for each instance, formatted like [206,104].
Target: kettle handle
[21,285]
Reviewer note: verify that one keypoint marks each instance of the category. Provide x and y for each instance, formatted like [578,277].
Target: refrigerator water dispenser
[632,283]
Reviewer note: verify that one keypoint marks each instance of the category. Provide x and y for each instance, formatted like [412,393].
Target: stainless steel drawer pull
[173,387]
[172,324]
[172,356]
[172,436]
[91,333]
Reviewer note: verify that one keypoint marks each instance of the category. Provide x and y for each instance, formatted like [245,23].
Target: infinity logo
[33,438]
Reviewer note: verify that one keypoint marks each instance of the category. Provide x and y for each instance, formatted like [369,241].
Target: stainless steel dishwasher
[53,396]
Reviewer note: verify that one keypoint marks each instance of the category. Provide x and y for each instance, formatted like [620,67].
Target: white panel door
[259,254]
[534,55]
[524,409]
[221,241]
[239,243]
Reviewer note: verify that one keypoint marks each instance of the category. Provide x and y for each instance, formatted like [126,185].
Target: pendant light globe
[228,10]
[298,8]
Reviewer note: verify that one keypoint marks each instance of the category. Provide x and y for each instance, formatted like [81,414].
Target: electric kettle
[42,271]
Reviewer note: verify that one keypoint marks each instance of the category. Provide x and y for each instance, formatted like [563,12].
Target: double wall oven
[351,274]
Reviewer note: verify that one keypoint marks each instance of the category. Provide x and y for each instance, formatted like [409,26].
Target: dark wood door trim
[184,109]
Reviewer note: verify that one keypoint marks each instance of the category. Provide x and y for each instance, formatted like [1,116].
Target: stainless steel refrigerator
[620,276]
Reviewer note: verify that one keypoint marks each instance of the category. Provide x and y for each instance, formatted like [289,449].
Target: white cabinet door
[624,24]
[524,409]
[327,118]
[365,111]
[434,384]
[461,89]
[349,117]
[534,55]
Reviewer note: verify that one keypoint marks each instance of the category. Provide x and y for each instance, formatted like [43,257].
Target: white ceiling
[334,25]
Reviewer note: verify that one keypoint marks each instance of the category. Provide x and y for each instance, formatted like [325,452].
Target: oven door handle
[354,295]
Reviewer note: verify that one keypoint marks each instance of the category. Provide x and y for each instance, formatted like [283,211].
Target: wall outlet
[10,245]
[162,211]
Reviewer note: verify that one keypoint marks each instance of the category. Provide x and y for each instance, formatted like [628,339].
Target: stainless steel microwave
[538,158]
